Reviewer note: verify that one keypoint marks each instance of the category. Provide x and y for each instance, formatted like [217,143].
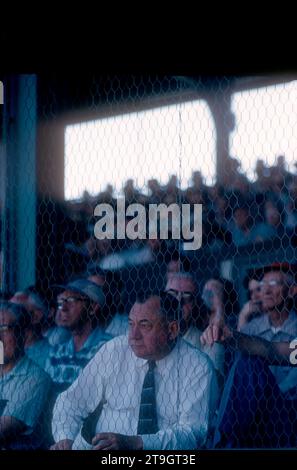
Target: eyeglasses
[271,283]
[183,297]
[5,327]
[70,300]
[257,289]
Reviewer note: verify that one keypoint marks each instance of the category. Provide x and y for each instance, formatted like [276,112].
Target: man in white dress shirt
[185,387]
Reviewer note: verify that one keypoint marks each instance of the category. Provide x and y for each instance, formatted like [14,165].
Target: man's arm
[113,441]
[247,311]
[10,427]
[64,444]
[275,353]
[79,400]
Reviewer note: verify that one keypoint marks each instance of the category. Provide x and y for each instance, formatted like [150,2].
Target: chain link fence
[136,214]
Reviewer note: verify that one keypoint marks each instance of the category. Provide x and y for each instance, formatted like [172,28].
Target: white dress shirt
[119,325]
[216,352]
[186,391]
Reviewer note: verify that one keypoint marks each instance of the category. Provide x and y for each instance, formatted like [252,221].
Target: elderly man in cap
[80,303]
[278,321]
[258,406]
[24,386]
[36,346]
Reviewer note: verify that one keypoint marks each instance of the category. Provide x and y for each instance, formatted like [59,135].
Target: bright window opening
[266,126]
[176,139]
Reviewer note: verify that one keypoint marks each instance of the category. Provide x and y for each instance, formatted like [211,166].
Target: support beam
[220,106]
[18,162]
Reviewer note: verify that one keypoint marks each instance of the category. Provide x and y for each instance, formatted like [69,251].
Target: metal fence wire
[148,262]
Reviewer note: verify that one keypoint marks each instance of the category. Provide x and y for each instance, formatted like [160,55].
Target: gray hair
[185,275]
[22,316]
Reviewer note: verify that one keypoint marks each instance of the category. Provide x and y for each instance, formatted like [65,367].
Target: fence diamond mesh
[148,262]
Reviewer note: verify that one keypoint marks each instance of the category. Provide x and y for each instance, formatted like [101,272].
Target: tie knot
[152,365]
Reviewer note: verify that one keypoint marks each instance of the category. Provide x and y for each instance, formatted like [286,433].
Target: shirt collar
[94,337]
[289,325]
[162,363]
[22,367]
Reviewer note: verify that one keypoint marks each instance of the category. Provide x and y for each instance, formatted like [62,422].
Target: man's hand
[112,441]
[65,444]
[246,312]
[215,332]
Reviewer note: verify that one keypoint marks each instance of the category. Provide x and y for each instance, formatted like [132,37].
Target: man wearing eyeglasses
[183,287]
[253,307]
[37,347]
[279,320]
[24,386]
[258,406]
[80,305]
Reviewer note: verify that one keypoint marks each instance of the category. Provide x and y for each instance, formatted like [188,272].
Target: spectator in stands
[262,183]
[173,267]
[113,314]
[197,181]
[221,211]
[183,287]
[234,179]
[278,321]
[254,413]
[181,407]
[290,208]
[272,226]
[37,347]
[156,192]
[253,307]
[55,333]
[220,293]
[79,303]
[258,404]
[130,192]
[24,386]
[242,230]
[172,186]
[176,263]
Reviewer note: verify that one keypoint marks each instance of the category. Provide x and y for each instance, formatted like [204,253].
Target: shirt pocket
[123,393]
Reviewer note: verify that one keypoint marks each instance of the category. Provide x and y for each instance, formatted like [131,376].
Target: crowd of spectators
[236,213]
[122,310]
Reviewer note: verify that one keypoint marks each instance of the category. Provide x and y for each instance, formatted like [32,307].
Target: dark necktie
[2,405]
[148,422]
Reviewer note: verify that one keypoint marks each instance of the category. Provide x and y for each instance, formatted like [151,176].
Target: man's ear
[95,308]
[36,315]
[293,290]
[174,329]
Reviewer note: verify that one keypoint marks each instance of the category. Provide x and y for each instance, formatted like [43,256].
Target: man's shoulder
[256,324]
[33,371]
[118,344]
[293,317]
[194,356]
[61,348]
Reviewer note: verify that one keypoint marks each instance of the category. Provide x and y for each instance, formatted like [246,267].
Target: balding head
[153,326]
